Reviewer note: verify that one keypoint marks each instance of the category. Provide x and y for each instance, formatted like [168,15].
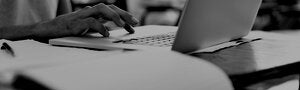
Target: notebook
[204,23]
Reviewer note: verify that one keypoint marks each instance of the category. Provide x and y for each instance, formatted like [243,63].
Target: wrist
[34,31]
[41,30]
[39,33]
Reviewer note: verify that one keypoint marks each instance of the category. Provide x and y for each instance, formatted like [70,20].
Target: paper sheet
[136,71]
[33,54]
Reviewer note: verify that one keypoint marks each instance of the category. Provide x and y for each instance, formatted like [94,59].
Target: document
[33,54]
[159,70]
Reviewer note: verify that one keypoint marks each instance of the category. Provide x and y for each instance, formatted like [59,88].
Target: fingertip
[87,7]
[106,33]
[120,23]
[129,29]
[135,21]
[125,16]
[110,1]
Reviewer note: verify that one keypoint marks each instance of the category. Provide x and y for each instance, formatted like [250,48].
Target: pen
[129,29]
[8,49]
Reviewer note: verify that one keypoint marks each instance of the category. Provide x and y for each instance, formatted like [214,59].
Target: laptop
[204,23]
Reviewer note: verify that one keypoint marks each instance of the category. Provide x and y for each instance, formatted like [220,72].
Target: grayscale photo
[149,44]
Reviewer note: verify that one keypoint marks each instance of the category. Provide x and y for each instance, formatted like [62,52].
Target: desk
[273,50]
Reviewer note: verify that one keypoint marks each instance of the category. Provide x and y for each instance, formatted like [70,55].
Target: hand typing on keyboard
[73,24]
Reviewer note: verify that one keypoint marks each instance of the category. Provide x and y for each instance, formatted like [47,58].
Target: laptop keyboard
[163,40]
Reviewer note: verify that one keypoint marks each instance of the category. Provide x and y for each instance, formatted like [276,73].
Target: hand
[80,22]
[93,1]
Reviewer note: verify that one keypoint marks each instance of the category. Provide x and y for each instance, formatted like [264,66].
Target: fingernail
[87,7]
[122,23]
[136,21]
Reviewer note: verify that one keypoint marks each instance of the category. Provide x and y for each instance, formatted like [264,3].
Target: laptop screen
[209,22]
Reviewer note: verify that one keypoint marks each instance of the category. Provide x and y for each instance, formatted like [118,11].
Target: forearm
[17,32]
[71,24]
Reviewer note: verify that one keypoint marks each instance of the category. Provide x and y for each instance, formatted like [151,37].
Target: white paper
[33,54]
[136,71]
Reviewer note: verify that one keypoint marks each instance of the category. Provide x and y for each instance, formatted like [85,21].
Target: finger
[110,1]
[93,1]
[95,25]
[128,18]
[79,28]
[103,11]
[105,1]
[129,29]
[86,7]
[101,20]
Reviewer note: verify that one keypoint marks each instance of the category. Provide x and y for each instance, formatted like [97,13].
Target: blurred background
[273,14]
